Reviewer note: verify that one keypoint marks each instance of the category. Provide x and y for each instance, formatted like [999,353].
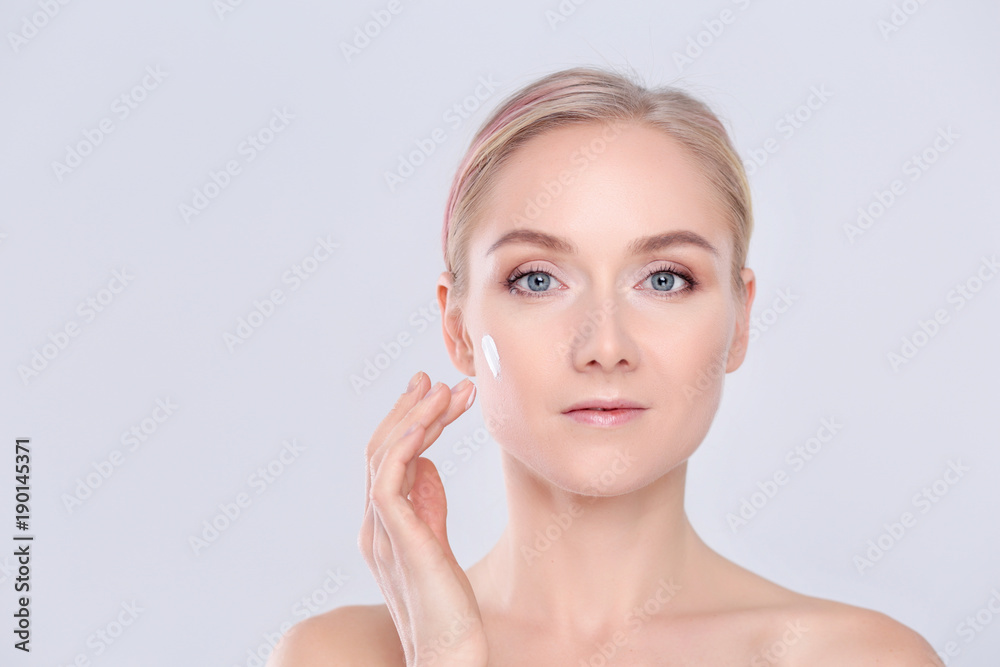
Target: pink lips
[604,413]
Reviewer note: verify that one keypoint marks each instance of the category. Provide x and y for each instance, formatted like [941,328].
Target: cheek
[698,358]
[510,383]
[692,363]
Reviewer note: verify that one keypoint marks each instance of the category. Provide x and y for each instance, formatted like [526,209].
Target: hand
[404,538]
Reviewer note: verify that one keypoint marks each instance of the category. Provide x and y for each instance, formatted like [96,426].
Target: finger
[463,395]
[434,413]
[463,398]
[429,502]
[405,534]
[427,410]
[405,402]
[422,414]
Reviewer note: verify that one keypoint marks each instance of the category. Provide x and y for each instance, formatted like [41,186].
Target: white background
[62,235]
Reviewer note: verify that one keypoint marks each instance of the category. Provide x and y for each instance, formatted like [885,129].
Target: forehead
[629,180]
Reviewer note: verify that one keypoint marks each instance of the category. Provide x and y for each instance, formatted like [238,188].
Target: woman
[595,240]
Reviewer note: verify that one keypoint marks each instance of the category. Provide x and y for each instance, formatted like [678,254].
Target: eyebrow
[639,246]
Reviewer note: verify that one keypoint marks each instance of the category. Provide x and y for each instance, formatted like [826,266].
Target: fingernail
[472,397]
[413,382]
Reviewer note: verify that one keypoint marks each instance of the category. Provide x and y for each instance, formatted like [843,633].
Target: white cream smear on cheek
[492,356]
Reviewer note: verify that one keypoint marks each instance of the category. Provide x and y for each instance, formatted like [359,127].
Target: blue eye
[667,280]
[537,281]
[664,278]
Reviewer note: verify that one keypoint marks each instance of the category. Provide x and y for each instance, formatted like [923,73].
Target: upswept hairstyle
[592,95]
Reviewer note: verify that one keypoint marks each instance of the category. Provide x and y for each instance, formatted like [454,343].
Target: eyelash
[512,287]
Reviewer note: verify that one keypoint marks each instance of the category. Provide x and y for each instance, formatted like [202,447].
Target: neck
[582,563]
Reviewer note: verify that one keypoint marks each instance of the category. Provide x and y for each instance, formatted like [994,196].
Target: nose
[600,337]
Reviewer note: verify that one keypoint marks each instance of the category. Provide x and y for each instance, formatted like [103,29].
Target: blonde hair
[588,95]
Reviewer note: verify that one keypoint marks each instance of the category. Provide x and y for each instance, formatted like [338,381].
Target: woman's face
[601,269]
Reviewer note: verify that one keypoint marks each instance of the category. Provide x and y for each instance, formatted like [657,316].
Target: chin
[605,465]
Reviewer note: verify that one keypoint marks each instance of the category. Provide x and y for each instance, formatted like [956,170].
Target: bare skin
[598,563]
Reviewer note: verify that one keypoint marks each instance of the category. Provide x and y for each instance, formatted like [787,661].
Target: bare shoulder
[354,635]
[793,629]
[835,633]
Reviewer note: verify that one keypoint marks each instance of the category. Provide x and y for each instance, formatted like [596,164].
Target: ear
[741,333]
[456,337]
